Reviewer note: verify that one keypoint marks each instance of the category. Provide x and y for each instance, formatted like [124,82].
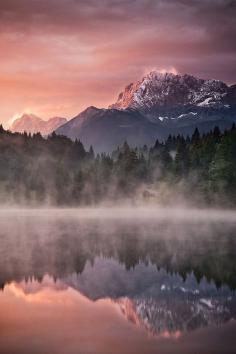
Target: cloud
[71,53]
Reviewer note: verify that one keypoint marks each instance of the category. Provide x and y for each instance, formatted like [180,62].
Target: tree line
[58,171]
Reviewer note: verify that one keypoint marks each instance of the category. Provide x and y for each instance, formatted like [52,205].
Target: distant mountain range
[158,105]
[30,123]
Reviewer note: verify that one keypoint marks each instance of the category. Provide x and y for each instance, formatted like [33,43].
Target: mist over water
[111,280]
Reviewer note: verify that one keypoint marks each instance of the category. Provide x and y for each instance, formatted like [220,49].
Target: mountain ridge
[31,123]
[158,89]
[154,107]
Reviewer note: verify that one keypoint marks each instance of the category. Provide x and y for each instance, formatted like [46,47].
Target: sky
[58,57]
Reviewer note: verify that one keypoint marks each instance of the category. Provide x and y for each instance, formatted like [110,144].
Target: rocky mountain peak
[168,89]
[154,107]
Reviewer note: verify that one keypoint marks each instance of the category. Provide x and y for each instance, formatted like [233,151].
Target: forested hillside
[57,171]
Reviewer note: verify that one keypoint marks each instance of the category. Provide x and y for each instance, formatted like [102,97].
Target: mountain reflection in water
[103,285]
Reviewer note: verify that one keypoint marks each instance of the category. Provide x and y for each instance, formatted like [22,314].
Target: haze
[60,56]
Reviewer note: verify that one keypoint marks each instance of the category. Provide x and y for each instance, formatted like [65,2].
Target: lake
[117,280]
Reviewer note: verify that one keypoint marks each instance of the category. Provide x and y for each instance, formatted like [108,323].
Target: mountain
[105,129]
[157,90]
[158,105]
[168,96]
[30,123]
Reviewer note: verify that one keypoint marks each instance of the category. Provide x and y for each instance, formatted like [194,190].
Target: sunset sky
[59,56]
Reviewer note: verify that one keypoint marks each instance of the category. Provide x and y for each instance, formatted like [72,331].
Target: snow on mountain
[31,123]
[154,107]
[166,89]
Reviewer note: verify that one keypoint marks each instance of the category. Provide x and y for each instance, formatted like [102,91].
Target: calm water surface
[117,281]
